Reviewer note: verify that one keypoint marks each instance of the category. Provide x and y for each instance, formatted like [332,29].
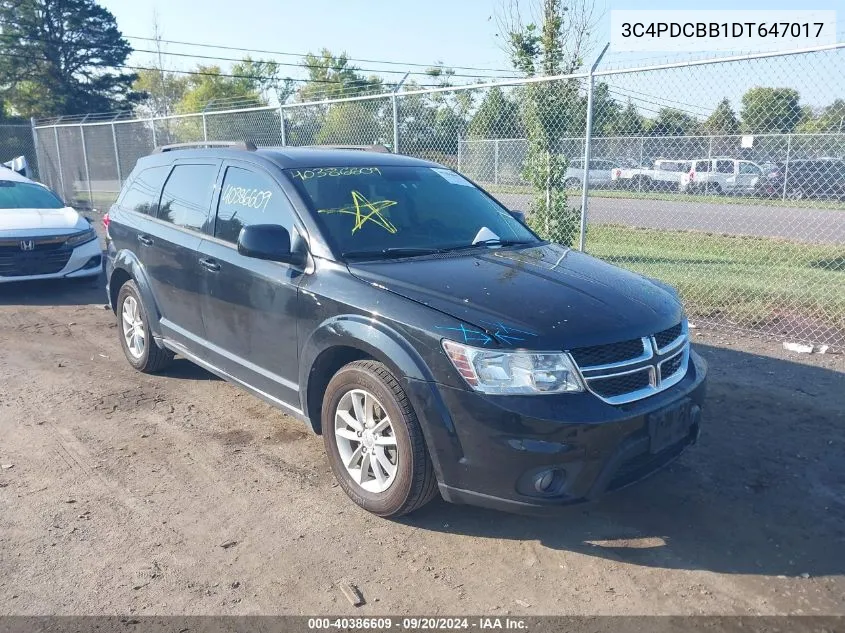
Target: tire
[413,483]
[147,359]
[572,183]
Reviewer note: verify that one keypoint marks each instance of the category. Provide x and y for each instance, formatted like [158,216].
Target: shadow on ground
[65,292]
[762,493]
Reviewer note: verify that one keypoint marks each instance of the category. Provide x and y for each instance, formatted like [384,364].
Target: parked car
[664,176]
[402,312]
[721,175]
[815,178]
[41,237]
[599,174]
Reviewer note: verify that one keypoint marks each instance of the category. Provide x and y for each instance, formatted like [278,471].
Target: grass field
[745,281]
[678,197]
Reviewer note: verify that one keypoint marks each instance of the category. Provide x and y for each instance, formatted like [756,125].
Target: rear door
[170,248]
[249,306]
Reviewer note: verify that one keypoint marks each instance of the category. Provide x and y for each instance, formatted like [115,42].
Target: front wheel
[374,441]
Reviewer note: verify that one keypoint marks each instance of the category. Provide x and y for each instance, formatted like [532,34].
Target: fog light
[544,480]
[95,261]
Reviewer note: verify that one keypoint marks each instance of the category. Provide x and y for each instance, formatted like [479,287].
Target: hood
[545,297]
[36,222]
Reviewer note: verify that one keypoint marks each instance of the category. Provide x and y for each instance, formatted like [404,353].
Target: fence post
[35,147]
[709,160]
[116,155]
[59,159]
[87,170]
[153,127]
[786,164]
[496,161]
[395,124]
[585,184]
[204,128]
[640,180]
[459,152]
[282,124]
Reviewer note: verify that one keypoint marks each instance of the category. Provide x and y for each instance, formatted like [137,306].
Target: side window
[748,168]
[144,191]
[187,195]
[248,198]
[702,166]
[725,166]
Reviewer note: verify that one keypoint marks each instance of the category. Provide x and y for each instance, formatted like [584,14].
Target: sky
[455,32]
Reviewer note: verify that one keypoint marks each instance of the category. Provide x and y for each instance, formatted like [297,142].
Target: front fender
[373,337]
[387,345]
[126,263]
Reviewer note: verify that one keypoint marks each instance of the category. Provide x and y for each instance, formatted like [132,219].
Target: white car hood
[41,221]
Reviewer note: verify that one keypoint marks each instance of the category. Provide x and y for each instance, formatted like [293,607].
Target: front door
[249,306]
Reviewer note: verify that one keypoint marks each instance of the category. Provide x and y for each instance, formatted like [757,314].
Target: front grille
[620,384]
[619,373]
[25,263]
[670,367]
[607,354]
[667,336]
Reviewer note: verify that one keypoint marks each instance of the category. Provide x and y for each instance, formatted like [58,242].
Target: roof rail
[362,148]
[244,145]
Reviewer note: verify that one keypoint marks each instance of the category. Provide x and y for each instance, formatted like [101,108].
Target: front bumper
[84,261]
[487,449]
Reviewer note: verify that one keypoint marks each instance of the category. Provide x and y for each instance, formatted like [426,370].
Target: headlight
[513,372]
[81,238]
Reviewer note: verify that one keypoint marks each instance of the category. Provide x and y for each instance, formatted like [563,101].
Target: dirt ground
[181,494]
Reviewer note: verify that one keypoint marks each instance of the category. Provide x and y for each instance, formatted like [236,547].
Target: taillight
[692,174]
[618,173]
[106,221]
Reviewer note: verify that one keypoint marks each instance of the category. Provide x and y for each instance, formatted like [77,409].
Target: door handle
[145,240]
[209,264]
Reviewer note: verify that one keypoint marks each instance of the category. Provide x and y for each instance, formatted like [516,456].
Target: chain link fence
[18,140]
[724,177]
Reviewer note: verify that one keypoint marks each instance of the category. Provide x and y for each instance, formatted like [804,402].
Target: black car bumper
[494,450]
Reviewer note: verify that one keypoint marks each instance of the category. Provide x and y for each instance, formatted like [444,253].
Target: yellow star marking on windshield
[365,211]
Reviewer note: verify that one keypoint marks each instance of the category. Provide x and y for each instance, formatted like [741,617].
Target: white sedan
[40,237]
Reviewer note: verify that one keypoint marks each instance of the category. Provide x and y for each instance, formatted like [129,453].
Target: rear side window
[187,195]
[249,198]
[748,168]
[725,166]
[143,194]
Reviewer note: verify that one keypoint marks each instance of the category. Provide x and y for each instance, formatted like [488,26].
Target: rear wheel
[374,441]
[572,183]
[135,338]
[796,192]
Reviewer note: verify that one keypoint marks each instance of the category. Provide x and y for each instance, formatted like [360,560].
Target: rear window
[25,195]
[143,194]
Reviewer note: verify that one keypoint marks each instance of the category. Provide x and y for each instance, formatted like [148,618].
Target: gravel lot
[180,494]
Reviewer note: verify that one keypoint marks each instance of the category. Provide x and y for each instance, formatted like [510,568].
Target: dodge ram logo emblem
[27,245]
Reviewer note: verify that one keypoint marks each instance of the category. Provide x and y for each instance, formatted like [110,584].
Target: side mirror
[519,216]
[267,241]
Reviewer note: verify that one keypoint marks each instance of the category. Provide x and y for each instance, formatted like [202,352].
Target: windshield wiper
[495,241]
[396,251]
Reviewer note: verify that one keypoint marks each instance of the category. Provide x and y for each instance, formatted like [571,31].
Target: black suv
[432,338]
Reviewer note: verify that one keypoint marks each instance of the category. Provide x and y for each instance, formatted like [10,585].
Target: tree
[332,77]
[58,57]
[162,91]
[210,84]
[770,110]
[353,123]
[830,119]
[496,117]
[674,122]
[628,122]
[556,47]
[722,122]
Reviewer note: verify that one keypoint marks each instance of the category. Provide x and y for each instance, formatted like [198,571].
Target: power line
[353,59]
[306,66]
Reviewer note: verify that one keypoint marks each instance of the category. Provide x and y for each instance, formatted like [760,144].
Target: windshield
[399,210]
[25,195]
